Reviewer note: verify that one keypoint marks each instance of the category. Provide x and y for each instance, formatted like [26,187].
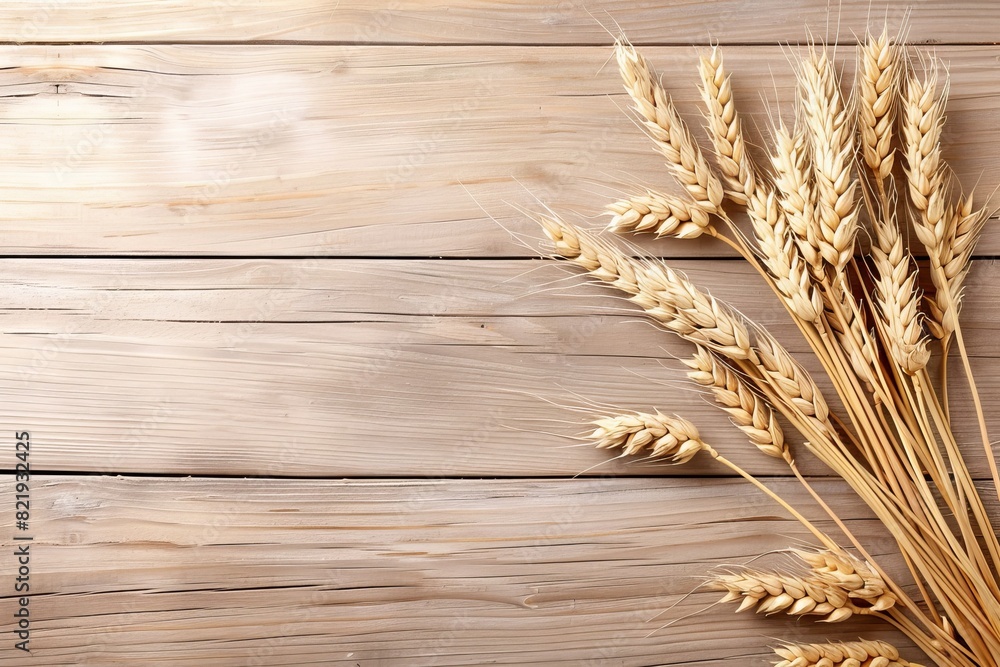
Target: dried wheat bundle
[865,159]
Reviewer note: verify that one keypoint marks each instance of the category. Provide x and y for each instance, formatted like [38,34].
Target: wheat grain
[841,654]
[668,130]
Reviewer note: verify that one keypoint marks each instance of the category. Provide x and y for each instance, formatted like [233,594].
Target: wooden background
[296,399]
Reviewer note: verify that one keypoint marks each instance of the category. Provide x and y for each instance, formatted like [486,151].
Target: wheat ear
[668,130]
[772,592]
[797,194]
[934,224]
[725,128]
[898,298]
[666,295]
[831,138]
[792,383]
[965,226]
[660,434]
[781,257]
[843,570]
[841,654]
[661,214]
[748,411]
[777,245]
[881,67]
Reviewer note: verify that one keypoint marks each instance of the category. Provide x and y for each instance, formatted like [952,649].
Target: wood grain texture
[361,151]
[380,572]
[478,21]
[366,367]
[283,186]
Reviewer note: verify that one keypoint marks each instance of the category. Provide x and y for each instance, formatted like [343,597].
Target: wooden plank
[300,572]
[364,367]
[476,21]
[366,151]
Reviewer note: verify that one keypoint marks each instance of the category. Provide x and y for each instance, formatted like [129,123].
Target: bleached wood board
[476,21]
[298,572]
[364,367]
[360,151]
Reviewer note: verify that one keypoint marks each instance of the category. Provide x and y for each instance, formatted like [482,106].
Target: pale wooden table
[286,381]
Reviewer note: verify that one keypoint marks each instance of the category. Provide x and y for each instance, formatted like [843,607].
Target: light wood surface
[289,150]
[475,21]
[299,392]
[367,367]
[414,572]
